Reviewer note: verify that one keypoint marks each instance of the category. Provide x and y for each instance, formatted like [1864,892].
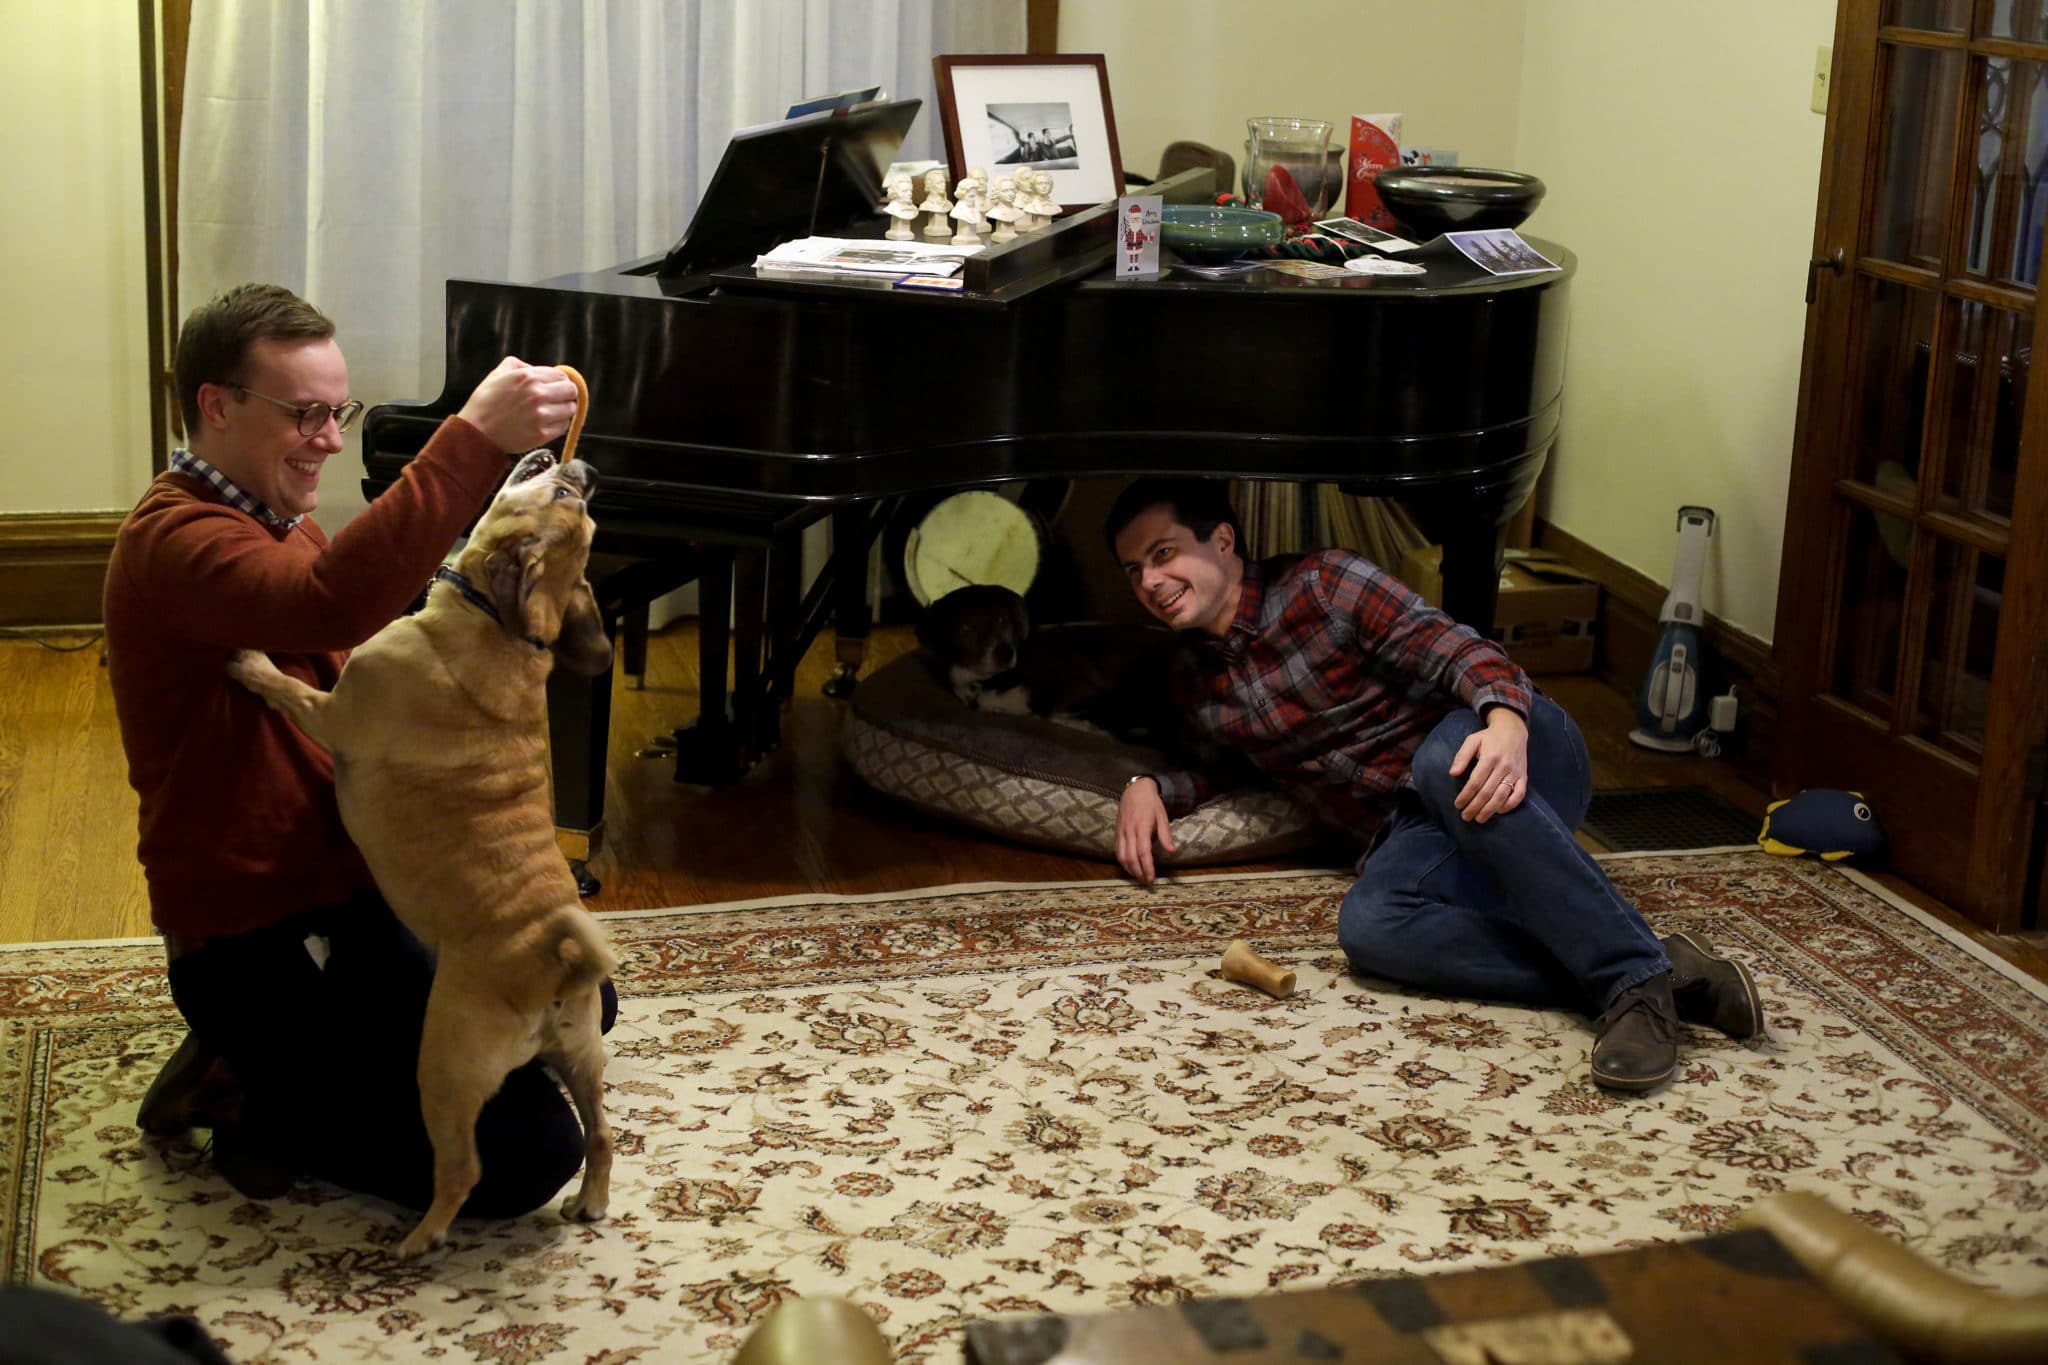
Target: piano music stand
[784,180]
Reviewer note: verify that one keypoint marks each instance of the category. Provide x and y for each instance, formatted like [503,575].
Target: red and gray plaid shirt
[1329,679]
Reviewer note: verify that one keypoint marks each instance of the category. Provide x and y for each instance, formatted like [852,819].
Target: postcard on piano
[1354,231]
[1501,251]
[1308,270]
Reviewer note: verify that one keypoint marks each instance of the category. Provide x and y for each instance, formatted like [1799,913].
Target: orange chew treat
[582,410]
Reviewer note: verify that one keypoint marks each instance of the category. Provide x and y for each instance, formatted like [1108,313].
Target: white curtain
[363,152]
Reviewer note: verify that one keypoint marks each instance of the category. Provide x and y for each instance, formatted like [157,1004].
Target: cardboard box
[1544,616]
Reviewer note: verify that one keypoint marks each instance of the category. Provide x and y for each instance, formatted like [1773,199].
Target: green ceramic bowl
[1210,233]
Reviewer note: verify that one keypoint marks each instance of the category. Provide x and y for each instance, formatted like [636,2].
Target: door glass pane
[2007,202]
[1945,16]
[1962,636]
[1919,136]
[1898,339]
[2014,18]
[1873,604]
[1987,395]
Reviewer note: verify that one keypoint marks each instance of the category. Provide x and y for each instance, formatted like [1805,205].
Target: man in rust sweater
[303,993]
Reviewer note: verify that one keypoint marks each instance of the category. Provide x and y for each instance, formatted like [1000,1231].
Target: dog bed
[1034,780]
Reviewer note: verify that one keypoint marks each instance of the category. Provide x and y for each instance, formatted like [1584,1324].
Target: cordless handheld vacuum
[1671,710]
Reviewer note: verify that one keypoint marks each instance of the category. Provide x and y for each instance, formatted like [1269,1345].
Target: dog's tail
[581,950]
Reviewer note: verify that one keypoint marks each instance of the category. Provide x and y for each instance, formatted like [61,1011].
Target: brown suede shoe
[1635,1043]
[195,1089]
[1712,990]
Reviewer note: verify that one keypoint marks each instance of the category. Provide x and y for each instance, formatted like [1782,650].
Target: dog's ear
[581,645]
[539,610]
[934,627]
[516,570]
[507,586]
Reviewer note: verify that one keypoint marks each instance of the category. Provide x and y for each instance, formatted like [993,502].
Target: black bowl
[1433,199]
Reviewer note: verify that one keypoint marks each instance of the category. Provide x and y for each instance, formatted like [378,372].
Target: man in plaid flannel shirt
[1424,742]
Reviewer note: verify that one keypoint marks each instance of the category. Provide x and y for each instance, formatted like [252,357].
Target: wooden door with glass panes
[1911,604]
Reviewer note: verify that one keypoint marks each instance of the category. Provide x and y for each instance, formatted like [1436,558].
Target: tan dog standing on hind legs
[438,727]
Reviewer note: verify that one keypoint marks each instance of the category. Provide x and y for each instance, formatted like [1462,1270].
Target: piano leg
[785,630]
[853,533]
[1471,564]
[754,711]
[579,722]
[632,657]
[708,751]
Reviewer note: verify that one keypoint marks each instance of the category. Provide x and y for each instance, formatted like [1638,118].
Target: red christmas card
[1375,146]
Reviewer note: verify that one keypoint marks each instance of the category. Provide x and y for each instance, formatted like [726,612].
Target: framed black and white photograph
[1010,112]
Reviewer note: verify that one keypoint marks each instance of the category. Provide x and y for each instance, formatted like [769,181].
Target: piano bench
[625,587]
[580,709]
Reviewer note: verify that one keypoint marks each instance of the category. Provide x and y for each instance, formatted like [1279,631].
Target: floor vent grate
[1636,818]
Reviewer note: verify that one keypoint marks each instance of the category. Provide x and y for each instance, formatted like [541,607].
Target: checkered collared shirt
[185,462]
[1328,680]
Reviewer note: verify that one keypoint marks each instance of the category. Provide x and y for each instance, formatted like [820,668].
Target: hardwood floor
[798,823]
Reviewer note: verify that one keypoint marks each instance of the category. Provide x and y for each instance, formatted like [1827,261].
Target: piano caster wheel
[842,682]
[710,758]
[586,885]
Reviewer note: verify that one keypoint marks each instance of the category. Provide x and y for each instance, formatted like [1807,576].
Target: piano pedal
[842,682]
[661,746]
[709,757]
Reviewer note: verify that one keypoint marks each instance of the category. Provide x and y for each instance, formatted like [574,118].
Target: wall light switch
[1823,61]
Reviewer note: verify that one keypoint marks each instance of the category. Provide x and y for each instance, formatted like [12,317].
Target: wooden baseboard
[53,566]
[1628,641]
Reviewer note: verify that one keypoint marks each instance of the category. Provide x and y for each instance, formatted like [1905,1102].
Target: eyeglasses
[312,416]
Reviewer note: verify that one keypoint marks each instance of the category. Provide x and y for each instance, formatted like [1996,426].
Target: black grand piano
[731,411]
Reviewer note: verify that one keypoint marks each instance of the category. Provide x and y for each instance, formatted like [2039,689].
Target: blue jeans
[1512,909]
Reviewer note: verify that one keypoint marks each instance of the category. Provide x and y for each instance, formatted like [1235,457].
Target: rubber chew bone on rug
[1240,963]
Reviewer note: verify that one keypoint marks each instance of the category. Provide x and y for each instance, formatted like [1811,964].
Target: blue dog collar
[476,599]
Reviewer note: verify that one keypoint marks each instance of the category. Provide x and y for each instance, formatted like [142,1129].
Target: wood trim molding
[53,566]
[1042,27]
[1628,641]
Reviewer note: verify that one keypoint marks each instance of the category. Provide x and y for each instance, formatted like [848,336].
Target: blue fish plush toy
[1831,825]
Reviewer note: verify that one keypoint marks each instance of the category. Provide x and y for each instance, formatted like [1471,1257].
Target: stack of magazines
[864,258]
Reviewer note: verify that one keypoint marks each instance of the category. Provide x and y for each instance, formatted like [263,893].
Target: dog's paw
[581,1207]
[1010,701]
[417,1243]
[250,668]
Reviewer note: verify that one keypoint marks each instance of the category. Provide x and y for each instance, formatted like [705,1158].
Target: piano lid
[805,177]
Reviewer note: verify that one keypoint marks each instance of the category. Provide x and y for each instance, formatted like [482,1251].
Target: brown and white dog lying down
[1104,678]
[438,727]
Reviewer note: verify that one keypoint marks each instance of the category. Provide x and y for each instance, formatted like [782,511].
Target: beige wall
[1682,162]
[74,355]
[1683,166]
[1199,68]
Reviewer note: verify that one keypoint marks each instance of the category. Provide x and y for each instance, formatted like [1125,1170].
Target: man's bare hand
[1499,758]
[520,406]
[1140,819]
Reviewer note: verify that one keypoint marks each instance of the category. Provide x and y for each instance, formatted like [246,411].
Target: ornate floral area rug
[962,1102]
